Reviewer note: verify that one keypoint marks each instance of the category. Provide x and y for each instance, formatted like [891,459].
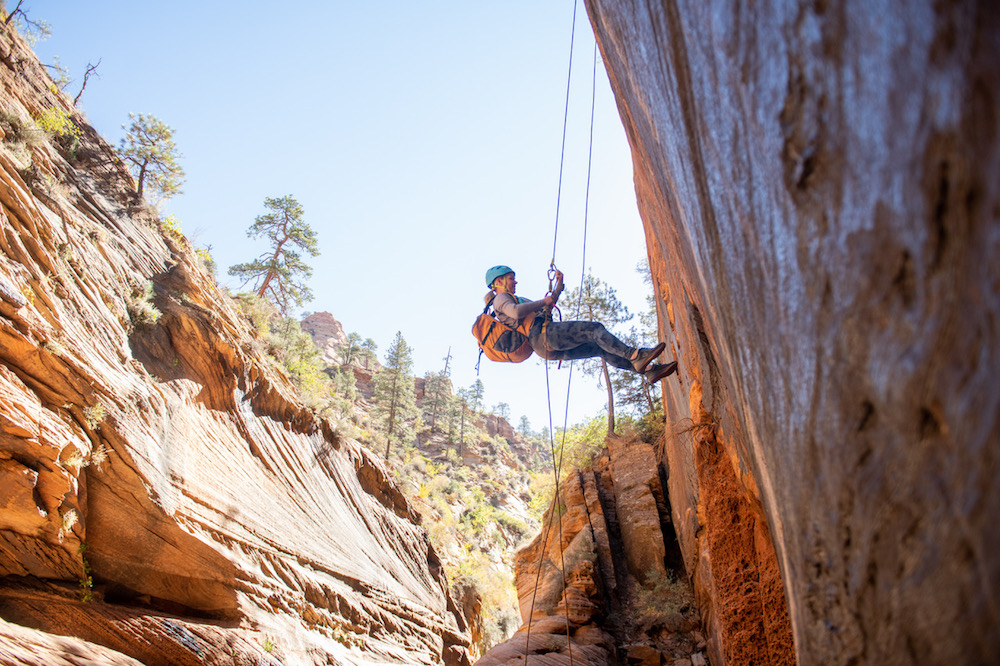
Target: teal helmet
[495,272]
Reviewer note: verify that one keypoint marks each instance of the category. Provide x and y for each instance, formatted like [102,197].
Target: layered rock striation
[156,463]
[820,189]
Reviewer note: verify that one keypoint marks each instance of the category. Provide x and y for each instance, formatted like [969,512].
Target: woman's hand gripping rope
[555,287]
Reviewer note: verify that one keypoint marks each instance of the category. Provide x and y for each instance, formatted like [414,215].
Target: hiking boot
[643,357]
[657,372]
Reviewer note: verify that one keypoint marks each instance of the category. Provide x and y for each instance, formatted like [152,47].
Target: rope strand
[556,512]
[562,152]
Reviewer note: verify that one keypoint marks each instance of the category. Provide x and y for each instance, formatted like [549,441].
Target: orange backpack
[499,341]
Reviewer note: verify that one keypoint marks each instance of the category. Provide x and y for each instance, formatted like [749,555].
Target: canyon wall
[603,583]
[820,188]
[164,494]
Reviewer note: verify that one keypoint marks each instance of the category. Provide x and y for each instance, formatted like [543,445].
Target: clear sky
[421,138]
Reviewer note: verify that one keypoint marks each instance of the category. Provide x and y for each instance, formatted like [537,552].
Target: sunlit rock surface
[168,461]
[819,187]
[603,583]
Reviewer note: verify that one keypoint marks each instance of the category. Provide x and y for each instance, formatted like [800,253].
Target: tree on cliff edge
[149,149]
[395,403]
[279,274]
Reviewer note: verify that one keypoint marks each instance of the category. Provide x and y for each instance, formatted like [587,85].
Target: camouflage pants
[570,340]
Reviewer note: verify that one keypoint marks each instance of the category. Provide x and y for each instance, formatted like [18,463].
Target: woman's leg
[567,340]
[589,350]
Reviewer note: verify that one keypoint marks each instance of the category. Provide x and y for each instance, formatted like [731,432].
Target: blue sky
[422,139]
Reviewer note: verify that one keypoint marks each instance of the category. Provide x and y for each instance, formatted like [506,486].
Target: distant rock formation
[820,188]
[327,334]
[163,493]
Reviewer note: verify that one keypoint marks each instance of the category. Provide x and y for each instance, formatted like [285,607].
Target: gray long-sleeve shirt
[511,309]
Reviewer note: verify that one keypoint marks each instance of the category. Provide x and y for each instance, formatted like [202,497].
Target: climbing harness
[555,512]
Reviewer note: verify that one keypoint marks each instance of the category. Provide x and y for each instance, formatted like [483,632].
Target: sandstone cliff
[604,582]
[820,188]
[154,460]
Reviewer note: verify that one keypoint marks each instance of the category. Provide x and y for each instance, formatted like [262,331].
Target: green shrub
[87,582]
[140,306]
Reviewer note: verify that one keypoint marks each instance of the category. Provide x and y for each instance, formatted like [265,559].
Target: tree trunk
[141,179]
[392,419]
[461,436]
[649,396]
[611,398]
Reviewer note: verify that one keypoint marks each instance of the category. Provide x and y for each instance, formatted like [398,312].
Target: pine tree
[352,350]
[148,147]
[632,391]
[595,300]
[368,349]
[475,395]
[438,391]
[280,273]
[525,427]
[395,403]
[463,406]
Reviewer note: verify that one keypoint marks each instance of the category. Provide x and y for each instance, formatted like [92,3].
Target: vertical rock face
[153,459]
[820,188]
[600,584]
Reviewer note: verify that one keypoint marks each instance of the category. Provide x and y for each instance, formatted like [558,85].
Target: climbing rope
[556,512]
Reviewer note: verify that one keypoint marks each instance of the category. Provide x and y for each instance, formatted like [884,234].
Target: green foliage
[345,384]
[582,443]
[87,582]
[140,306]
[524,428]
[293,349]
[16,131]
[352,350]
[475,395]
[595,300]
[301,359]
[576,449]
[258,311]
[637,396]
[149,150]
[395,402]
[279,273]
[437,395]
[497,593]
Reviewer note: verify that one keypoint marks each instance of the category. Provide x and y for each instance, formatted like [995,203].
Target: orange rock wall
[171,461]
[820,189]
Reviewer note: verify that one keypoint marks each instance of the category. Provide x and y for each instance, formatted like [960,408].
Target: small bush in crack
[87,582]
[662,593]
[93,415]
[141,310]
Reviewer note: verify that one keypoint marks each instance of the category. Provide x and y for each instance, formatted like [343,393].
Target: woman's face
[507,283]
